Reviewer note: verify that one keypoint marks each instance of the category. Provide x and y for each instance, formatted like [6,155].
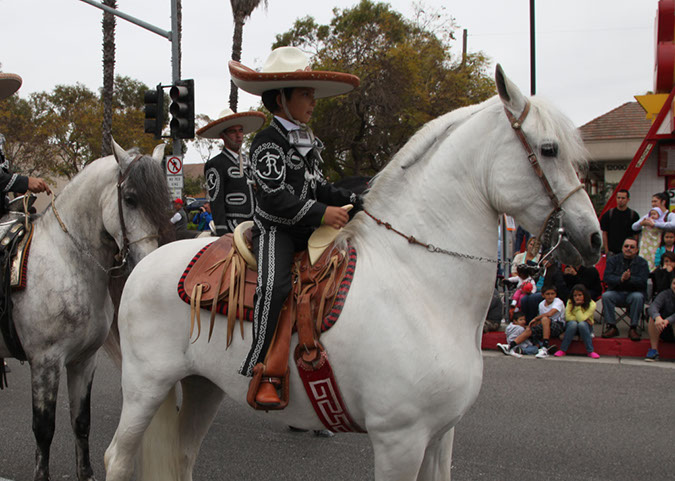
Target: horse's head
[549,191]
[136,211]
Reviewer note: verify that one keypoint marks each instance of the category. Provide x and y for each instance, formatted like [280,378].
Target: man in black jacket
[227,174]
[626,278]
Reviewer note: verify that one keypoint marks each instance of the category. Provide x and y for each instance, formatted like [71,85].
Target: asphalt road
[554,419]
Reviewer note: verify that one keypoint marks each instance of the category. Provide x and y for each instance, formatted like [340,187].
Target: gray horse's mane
[146,183]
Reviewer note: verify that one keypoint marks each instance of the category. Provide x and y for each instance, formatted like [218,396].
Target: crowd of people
[639,261]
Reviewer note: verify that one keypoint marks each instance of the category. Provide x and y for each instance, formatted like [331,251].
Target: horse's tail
[160,457]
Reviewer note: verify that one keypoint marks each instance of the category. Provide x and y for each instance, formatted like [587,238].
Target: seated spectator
[589,277]
[662,276]
[579,313]
[549,322]
[517,337]
[661,319]
[524,284]
[667,245]
[530,256]
[552,277]
[493,319]
[626,278]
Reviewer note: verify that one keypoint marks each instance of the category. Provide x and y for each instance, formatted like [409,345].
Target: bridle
[123,254]
[553,220]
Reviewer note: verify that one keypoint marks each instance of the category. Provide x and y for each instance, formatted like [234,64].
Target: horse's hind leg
[45,387]
[80,376]
[438,458]
[201,399]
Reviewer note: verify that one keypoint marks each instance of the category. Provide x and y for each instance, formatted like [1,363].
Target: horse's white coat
[406,350]
[64,314]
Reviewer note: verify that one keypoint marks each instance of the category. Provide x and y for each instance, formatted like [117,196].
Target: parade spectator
[626,278]
[549,322]
[651,235]
[524,284]
[663,276]
[493,319]
[667,245]
[589,277]
[517,337]
[616,224]
[204,217]
[661,319]
[553,276]
[530,256]
[579,313]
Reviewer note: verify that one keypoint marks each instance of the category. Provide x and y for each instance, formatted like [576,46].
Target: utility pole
[533,70]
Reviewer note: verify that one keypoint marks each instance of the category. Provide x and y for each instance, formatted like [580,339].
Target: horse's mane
[147,182]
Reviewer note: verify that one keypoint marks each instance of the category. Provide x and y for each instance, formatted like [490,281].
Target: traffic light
[154,111]
[182,109]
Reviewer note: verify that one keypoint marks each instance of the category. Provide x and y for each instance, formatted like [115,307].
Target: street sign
[174,165]
[174,181]
[175,193]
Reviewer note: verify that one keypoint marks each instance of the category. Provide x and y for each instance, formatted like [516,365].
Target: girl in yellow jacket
[579,316]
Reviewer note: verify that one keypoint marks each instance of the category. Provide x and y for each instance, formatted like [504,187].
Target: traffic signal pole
[173,36]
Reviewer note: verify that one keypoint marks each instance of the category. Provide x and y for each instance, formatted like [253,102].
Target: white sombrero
[250,121]
[289,67]
[9,83]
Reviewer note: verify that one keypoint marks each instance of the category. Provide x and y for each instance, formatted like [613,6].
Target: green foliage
[408,77]
[193,186]
[57,133]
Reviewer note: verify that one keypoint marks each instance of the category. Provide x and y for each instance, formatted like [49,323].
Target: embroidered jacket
[230,192]
[291,190]
[9,182]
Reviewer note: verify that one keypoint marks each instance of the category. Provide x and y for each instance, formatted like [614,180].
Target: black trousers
[274,249]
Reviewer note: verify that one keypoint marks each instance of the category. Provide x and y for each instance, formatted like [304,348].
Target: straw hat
[250,121]
[289,67]
[9,83]
[321,238]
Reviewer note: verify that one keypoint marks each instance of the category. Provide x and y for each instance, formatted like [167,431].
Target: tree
[108,76]
[241,10]
[408,77]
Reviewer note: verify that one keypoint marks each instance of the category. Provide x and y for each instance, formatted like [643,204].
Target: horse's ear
[158,152]
[511,96]
[121,156]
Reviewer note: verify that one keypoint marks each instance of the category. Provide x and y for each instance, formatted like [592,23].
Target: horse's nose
[596,241]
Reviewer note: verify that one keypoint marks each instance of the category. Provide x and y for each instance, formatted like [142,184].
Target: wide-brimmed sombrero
[9,83]
[250,121]
[289,67]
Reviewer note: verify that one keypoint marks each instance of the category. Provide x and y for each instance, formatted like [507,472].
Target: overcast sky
[592,55]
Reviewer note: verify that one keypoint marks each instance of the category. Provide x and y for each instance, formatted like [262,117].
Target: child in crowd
[667,245]
[662,276]
[579,316]
[549,322]
[524,284]
[651,237]
[517,337]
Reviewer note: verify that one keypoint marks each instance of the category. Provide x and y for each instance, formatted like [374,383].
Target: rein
[554,217]
[122,255]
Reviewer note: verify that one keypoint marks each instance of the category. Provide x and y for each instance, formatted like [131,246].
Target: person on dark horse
[227,174]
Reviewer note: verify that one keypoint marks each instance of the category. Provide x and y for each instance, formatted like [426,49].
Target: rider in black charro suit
[228,174]
[292,196]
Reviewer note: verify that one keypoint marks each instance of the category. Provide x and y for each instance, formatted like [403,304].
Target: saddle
[219,279]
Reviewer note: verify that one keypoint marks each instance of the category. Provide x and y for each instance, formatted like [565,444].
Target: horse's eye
[130,200]
[549,149]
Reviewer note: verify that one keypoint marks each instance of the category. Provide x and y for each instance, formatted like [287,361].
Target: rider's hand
[37,185]
[335,217]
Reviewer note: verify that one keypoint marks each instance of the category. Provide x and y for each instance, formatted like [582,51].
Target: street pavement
[565,419]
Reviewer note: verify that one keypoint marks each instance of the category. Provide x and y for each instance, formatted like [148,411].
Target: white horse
[406,350]
[64,314]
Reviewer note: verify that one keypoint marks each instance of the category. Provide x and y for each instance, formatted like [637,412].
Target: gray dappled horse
[64,314]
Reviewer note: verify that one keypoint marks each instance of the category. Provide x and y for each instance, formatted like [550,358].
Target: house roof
[193,170]
[624,122]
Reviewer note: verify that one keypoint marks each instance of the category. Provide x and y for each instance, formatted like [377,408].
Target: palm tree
[108,76]
[241,10]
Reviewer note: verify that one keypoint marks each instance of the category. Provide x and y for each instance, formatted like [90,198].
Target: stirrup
[283,390]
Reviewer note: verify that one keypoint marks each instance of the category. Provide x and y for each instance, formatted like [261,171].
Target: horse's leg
[80,376]
[141,399]
[438,458]
[201,399]
[398,455]
[45,387]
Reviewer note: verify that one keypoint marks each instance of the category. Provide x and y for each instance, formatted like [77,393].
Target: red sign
[174,165]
